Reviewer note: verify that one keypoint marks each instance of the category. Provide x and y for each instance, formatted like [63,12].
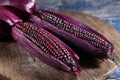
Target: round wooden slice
[17,64]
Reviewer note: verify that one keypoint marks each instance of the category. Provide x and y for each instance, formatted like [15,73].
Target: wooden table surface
[17,64]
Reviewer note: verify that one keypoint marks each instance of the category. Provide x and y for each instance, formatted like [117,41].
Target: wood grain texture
[17,64]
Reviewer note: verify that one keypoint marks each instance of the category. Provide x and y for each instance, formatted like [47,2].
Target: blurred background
[107,10]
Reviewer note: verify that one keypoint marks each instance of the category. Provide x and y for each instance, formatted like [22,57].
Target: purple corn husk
[26,5]
[26,43]
[81,44]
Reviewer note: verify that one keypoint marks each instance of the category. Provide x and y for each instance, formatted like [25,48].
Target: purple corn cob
[45,46]
[39,42]
[79,34]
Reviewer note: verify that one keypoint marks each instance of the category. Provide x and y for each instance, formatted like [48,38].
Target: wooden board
[17,64]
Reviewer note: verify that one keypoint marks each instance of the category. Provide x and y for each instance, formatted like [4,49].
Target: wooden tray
[17,64]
